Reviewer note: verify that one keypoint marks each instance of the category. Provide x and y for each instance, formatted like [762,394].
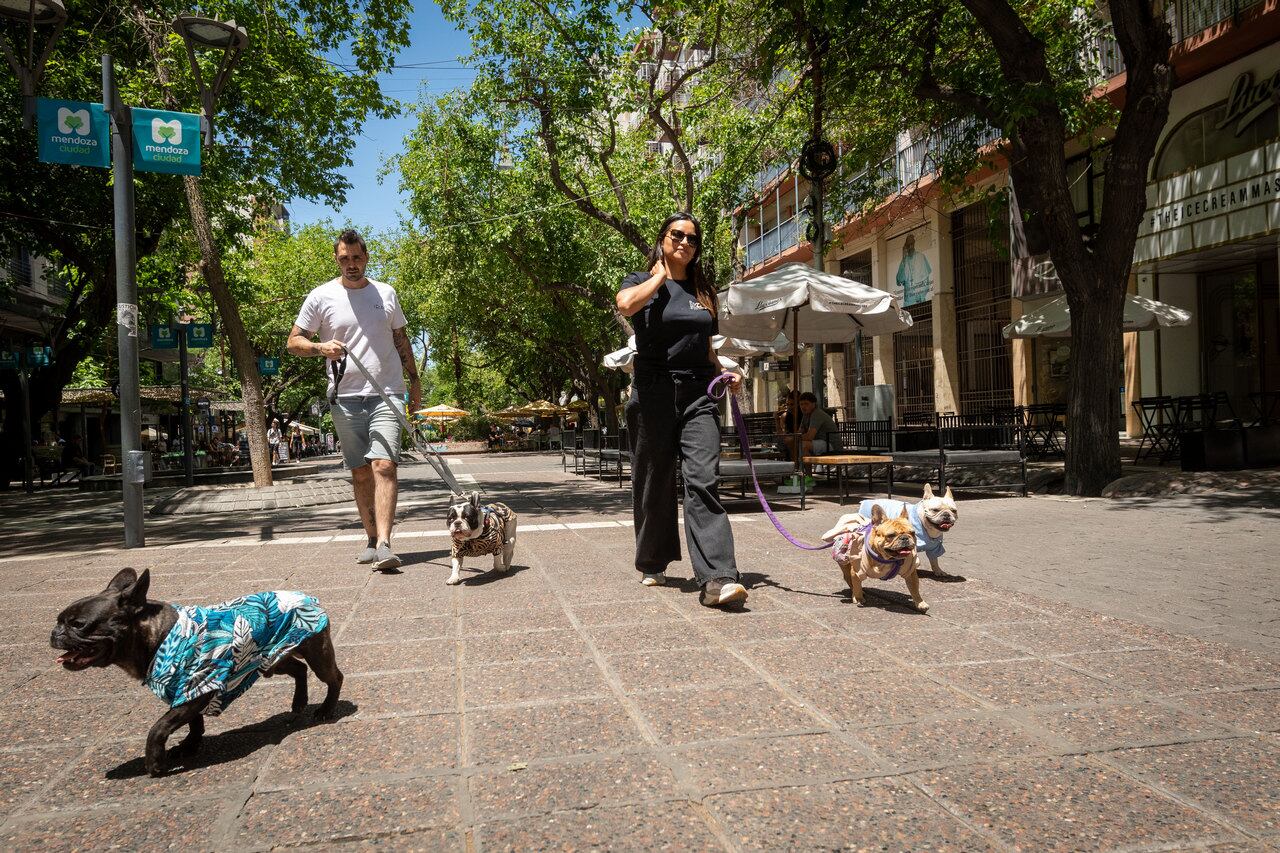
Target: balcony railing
[774,242]
[1186,18]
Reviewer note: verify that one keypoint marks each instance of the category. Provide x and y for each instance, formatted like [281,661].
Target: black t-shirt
[673,331]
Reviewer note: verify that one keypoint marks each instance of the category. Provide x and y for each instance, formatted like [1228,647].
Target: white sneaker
[656,579]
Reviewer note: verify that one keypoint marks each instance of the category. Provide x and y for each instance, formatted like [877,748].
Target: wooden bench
[840,462]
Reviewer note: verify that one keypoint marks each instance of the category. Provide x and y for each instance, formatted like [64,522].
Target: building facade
[1208,244]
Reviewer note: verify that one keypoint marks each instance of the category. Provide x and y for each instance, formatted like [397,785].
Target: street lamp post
[32,13]
[208,33]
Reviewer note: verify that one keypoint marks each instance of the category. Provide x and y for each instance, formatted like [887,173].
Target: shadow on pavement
[1262,501]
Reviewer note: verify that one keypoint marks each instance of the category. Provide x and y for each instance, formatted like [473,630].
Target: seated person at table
[73,458]
[818,432]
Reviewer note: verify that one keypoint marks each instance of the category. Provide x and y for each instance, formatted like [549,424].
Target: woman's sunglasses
[683,237]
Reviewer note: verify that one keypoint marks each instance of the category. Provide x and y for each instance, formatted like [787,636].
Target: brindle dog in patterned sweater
[478,531]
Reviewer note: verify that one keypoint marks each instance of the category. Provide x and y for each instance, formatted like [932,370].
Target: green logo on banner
[200,335]
[162,337]
[9,360]
[73,132]
[166,142]
[268,365]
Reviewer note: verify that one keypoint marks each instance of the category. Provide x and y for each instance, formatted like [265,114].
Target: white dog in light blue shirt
[931,517]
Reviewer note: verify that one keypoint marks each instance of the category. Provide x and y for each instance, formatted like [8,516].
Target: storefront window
[1205,138]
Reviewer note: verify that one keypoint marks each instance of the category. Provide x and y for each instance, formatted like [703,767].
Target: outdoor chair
[1041,423]
[1158,416]
[570,444]
[587,458]
[615,451]
[967,442]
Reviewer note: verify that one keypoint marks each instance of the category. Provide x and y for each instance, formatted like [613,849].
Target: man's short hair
[352,238]
[809,396]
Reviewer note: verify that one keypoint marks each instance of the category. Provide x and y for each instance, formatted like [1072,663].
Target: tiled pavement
[566,706]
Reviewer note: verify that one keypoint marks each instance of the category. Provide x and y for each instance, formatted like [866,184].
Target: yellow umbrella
[441,412]
[544,407]
[578,406]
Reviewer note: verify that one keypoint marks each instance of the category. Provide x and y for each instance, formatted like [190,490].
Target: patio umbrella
[820,307]
[1053,320]
[731,347]
[441,413]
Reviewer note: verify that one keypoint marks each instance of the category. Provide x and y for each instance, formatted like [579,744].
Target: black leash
[337,369]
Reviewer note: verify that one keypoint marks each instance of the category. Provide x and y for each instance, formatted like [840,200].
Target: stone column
[946,368]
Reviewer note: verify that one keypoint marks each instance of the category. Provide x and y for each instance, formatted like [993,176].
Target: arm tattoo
[401,341]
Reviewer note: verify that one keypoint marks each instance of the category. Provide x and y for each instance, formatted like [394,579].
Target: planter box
[1213,450]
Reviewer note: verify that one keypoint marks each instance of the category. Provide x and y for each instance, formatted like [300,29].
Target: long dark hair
[702,287]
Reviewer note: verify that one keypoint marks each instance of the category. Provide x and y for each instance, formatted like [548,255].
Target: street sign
[10,360]
[40,356]
[268,365]
[200,335]
[166,142]
[73,132]
[202,405]
[163,337]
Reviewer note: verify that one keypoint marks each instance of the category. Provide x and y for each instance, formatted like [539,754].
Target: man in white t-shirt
[363,316]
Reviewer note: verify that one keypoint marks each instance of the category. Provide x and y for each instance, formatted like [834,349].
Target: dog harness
[846,550]
[930,546]
[493,533]
[223,649]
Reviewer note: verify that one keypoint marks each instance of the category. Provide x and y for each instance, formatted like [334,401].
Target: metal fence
[913,363]
[982,308]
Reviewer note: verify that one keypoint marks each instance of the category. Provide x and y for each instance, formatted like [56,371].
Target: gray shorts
[367,428]
[819,446]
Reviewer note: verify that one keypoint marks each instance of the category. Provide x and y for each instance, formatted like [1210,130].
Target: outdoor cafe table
[842,461]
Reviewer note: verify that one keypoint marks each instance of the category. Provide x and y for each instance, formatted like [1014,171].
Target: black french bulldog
[121,626]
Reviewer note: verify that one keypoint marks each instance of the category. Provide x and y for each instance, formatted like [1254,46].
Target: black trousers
[672,419]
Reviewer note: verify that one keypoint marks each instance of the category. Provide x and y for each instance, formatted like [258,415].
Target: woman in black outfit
[673,309]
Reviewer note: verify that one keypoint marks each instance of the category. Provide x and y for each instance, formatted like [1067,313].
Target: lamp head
[46,11]
[203,32]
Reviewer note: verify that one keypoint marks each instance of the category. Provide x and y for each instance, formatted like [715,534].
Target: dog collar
[866,549]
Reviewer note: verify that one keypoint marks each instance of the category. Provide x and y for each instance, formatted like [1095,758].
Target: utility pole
[134,461]
[188,450]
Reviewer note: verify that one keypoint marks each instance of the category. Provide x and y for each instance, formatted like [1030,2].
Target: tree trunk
[242,351]
[1093,413]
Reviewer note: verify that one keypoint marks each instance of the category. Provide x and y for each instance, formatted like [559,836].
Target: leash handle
[718,389]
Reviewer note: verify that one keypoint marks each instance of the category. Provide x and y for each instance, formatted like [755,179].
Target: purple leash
[741,428]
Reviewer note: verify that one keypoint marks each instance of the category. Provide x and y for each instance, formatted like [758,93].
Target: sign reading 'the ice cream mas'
[166,142]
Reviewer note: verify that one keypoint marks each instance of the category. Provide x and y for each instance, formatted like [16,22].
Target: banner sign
[73,132]
[203,405]
[9,360]
[268,365]
[914,257]
[200,335]
[166,142]
[163,337]
[40,356]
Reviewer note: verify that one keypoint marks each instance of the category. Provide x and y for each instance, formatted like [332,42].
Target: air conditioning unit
[873,402]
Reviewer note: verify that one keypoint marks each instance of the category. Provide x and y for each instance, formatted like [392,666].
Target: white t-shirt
[363,319]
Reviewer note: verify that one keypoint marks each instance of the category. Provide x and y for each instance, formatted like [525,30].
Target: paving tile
[1057,637]
[1104,727]
[947,645]
[396,657]
[397,629]
[502,736]
[1165,673]
[684,716]
[654,670]
[983,611]
[1253,710]
[548,787]
[44,723]
[25,772]
[856,700]
[1029,682]
[500,684]
[507,621]
[661,826]
[950,740]
[1064,804]
[767,626]
[158,828]
[352,749]
[878,618]
[656,636]
[814,655]
[116,772]
[414,841]
[524,646]
[881,814]
[771,761]
[405,605]
[54,683]
[431,691]
[291,816]
[1238,778]
[631,613]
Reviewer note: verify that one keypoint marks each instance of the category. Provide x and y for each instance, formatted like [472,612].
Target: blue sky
[434,47]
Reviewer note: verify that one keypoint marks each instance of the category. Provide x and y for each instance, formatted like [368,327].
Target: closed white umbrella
[815,307]
[1053,320]
[739,347]
[624,359]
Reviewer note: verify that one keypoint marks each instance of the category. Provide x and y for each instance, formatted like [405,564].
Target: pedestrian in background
[670,415]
